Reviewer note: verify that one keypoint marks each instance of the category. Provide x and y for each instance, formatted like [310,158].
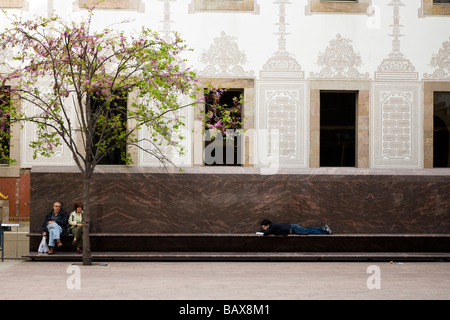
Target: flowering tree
[79,80]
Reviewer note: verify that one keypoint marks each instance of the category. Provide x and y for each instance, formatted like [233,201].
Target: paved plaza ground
[21,279]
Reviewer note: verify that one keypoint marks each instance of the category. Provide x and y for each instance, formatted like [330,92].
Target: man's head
[265,224]
[56,207]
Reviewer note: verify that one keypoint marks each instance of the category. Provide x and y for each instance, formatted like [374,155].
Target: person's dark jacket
[279,229]
[61,219]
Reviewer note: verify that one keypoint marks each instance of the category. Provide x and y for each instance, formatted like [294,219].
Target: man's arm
[270,231]
[62,219]
[44,225]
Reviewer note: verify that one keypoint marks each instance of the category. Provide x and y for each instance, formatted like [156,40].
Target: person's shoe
[59,243]
[51,250]
[327,229]
[79,250]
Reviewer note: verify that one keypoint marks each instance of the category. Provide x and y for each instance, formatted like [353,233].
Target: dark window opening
[5,126]
[225,148]
[338,129]
[115,115]
[441,123]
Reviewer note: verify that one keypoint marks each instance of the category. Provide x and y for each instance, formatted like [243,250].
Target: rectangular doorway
[338,128]
[441,132]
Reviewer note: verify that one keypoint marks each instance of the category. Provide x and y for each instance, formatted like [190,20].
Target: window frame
[226,141]
[12,4]
[429,8]
[248,122]
[362,87]
[333,6]
[326,128]
[245,6]
[111,4]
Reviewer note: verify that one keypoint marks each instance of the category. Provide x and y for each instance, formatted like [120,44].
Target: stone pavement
[22,279]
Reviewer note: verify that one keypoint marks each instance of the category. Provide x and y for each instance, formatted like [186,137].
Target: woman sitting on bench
[75,227]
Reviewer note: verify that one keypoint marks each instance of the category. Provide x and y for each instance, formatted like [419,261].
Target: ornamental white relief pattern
[224,58]
[396,65]
[397,111]
[440,61]
[282,64]
[340,61]
[396,125]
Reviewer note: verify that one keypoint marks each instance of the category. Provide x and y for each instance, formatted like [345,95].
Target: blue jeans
[296,229]
[54,232]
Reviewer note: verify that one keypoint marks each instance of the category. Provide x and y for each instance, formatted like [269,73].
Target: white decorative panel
[282,123]
[62,155]
[185,159]
[396,113]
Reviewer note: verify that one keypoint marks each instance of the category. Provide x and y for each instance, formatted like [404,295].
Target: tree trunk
[87,259]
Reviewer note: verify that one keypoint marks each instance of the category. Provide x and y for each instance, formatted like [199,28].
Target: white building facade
[383,66]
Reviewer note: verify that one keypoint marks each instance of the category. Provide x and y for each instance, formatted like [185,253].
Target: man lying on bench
[268,228]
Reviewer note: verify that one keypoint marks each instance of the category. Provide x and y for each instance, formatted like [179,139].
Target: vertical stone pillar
[282,109]
[396,113]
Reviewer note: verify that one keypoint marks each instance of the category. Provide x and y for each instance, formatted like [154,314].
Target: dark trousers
[78,233]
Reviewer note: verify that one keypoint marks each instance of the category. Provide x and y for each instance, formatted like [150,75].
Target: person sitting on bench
[54,224]
[75,226]
[268,228]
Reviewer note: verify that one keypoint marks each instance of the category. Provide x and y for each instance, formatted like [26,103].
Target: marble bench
[252,243]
